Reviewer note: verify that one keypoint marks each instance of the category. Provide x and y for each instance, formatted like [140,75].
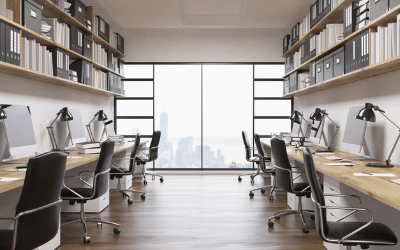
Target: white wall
[203,45]
[380,90]
[45,100]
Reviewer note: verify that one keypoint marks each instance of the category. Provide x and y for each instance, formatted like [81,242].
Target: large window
[201,110]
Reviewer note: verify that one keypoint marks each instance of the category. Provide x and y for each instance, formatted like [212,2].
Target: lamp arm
[333,121]
[333,137]
[69,133]
[93,118]
[388,119]
[58,115]
[394,146]
[51,132]
[91,137]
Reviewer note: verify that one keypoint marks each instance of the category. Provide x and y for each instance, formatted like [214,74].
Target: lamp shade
[367,113]
[295,117]
[316,115]
[66,115]
[102,116]
[3,114]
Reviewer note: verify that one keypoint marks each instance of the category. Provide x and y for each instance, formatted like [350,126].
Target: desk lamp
[101,116]
[319,115]
[65,116]
[367,114]
[295,117]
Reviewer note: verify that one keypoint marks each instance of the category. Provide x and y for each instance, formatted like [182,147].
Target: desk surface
[71,163]
[379,188]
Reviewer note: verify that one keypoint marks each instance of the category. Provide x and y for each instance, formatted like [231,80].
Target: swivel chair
[270,170]
[255,159]
[151,156]
[118,172]
[36,219]
[285,181]
[348,234]
[95,190]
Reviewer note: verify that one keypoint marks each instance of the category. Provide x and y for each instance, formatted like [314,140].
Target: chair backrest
[42,186]
[246,145]
[316,192]
[134,153]
[257,141]
[103,164]
[279,153]
[153,151]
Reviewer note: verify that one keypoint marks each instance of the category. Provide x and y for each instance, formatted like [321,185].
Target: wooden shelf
[101,67]
[304,67]
[380,68]
[334,16]
[35,75]
[108,46]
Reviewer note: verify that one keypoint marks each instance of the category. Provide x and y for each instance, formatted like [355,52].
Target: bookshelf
[383,67]
[51,10]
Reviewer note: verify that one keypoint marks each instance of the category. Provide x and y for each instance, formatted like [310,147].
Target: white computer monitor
[353,138]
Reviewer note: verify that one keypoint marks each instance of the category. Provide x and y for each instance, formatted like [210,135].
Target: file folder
[9,44]
[2,42]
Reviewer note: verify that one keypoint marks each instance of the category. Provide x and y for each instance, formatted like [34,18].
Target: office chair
[95,190]
[346,233]
[118,172]
[270,170]
[151,156]
[255,159]
[284,180]
[37,213]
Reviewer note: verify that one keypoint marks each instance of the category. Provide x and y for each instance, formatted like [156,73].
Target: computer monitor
[296,130]
[317,129]
[305,128]
[18,132]
[353,139]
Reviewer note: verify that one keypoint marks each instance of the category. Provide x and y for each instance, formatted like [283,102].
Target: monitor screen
[317,129]
[19,130]
[354,131]
[296,130]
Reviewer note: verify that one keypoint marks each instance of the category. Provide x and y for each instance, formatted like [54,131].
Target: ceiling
[129,14]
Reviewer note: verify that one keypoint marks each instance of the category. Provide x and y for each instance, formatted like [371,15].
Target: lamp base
[379,165]
[324,150]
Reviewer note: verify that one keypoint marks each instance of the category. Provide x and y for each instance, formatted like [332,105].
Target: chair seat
[257,159]
[118,171]
[297,187]
[142,161]
[6,237]
[68,195]
[374,234]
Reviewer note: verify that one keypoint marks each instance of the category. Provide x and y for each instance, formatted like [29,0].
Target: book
[89,150]
[89,144]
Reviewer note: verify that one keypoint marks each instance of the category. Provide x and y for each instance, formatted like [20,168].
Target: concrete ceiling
[129,14]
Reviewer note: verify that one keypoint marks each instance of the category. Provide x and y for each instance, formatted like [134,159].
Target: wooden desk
[71,163]
[379,188]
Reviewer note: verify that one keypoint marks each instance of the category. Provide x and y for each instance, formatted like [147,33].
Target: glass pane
[266,89]
[134,108]
[227,111]
[269,71]
[272,107]
[178,115]
[268,126]
[139,89]
[134,126]
[139,71]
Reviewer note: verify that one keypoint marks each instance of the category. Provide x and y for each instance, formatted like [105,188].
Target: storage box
[286,43]
[286,84]
[338,62]
[84,69]
[77,10]
[319,71]
[328,67]
[305,52]
[120,43]
[32,16]
[378,8]
[295,33]
[312,73]
[293,86]
[87,50]
[393,4]
[76,39]
[103,29]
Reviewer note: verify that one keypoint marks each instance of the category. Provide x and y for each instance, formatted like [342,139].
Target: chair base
[252,175]
[153,176]
[123,191]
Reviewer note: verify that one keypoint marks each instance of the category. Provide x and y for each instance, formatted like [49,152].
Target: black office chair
[95,190]
[151,156]
[253,159]
[348,234]
[284,180]
[118,172]
[37,213]
[269,170]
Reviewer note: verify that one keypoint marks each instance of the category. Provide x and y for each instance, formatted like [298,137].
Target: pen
[367,173]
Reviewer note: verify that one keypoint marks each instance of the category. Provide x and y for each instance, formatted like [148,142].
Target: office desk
[379,188]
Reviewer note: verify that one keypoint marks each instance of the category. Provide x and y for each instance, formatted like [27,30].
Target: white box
[126,182]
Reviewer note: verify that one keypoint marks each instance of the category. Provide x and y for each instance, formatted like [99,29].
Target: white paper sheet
[376,174]
[8,179]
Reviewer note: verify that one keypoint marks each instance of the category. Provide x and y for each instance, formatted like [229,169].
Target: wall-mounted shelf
[380,68]
[35,75]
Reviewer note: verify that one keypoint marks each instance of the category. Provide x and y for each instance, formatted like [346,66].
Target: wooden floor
[195,212]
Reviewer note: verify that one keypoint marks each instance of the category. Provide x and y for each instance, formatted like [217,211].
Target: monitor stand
[327,148]
[367,156]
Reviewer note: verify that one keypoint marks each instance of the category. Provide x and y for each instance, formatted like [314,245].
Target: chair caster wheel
[262,190]
[305,230]
[239,179]
[271,198]
[153,177]
[116,230]
[251,194]
[130,201]
[271,224]
[86,240]
[143,196]
[312,217]
[145,182]
[99,224]
[161,179]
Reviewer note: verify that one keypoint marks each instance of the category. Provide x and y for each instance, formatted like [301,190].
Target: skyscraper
[164,131]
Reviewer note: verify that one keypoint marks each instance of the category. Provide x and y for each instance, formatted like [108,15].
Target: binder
[378,8]
[2,42]
[327,7]
[76,40]
[350,20]
[293,85]
[286,83]
[109,59]
[313,14]
[286,42]
[17,47]
[84,70]
[312,73]
[393,4]
[9,44]
[360,3]
[295,33]
[313,46]
[320,10]
[362,9]
[366,45]
[305,52]
[347,52]
[58,62]
[362,17]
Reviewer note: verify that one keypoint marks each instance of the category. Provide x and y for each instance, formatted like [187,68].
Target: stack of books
[119,139]
[46,30]
[90,147]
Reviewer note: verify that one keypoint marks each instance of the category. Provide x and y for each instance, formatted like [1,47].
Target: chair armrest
[72,191]
[347,195]
[7,219]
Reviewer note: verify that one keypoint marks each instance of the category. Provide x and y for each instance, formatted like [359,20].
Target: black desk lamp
[101,116]
[297,117]
[319,115]
[65,116]
[3,114]
[367,114]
